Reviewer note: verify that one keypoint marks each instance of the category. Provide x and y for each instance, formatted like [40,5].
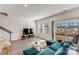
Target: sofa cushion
[65,43]
[50,42]
[30,51]
[61,51]
[55,46]
[47,51]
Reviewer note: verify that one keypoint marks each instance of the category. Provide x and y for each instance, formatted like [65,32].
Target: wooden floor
[18,46]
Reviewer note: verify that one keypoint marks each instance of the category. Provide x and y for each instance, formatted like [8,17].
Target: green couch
[30,51]
[56,48]
[47,51]
[61,51]
[51,49]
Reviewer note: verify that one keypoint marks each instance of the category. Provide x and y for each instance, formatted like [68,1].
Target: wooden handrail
[3,13]
[4,29]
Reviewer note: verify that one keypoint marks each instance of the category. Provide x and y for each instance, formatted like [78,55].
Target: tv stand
[27,36]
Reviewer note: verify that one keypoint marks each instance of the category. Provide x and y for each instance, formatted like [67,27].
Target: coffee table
[40,44]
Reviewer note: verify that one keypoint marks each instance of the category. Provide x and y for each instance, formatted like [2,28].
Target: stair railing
[2,29]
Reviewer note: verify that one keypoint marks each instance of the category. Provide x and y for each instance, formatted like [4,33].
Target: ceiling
[34,11]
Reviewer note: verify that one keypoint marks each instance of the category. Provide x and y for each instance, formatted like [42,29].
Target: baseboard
[40,37]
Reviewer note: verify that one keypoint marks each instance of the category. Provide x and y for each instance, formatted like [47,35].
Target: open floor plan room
[39,29]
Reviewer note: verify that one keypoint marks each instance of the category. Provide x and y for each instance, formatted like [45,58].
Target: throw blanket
[3,44]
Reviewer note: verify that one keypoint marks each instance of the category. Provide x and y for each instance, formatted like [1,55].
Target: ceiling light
[25,5]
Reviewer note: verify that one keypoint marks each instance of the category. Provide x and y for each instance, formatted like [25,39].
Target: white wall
[16,25]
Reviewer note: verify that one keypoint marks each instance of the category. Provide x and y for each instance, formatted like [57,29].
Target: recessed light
[25,5]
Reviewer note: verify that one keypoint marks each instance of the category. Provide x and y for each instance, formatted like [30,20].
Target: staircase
[5,34]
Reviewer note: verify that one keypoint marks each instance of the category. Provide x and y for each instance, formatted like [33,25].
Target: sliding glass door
[67,30]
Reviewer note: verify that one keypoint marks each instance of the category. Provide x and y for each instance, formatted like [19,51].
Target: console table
[27,36]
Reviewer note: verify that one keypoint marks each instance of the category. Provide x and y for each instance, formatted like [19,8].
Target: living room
[38,26]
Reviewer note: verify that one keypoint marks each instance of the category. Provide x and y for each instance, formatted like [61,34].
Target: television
[31,31]
[27,31]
